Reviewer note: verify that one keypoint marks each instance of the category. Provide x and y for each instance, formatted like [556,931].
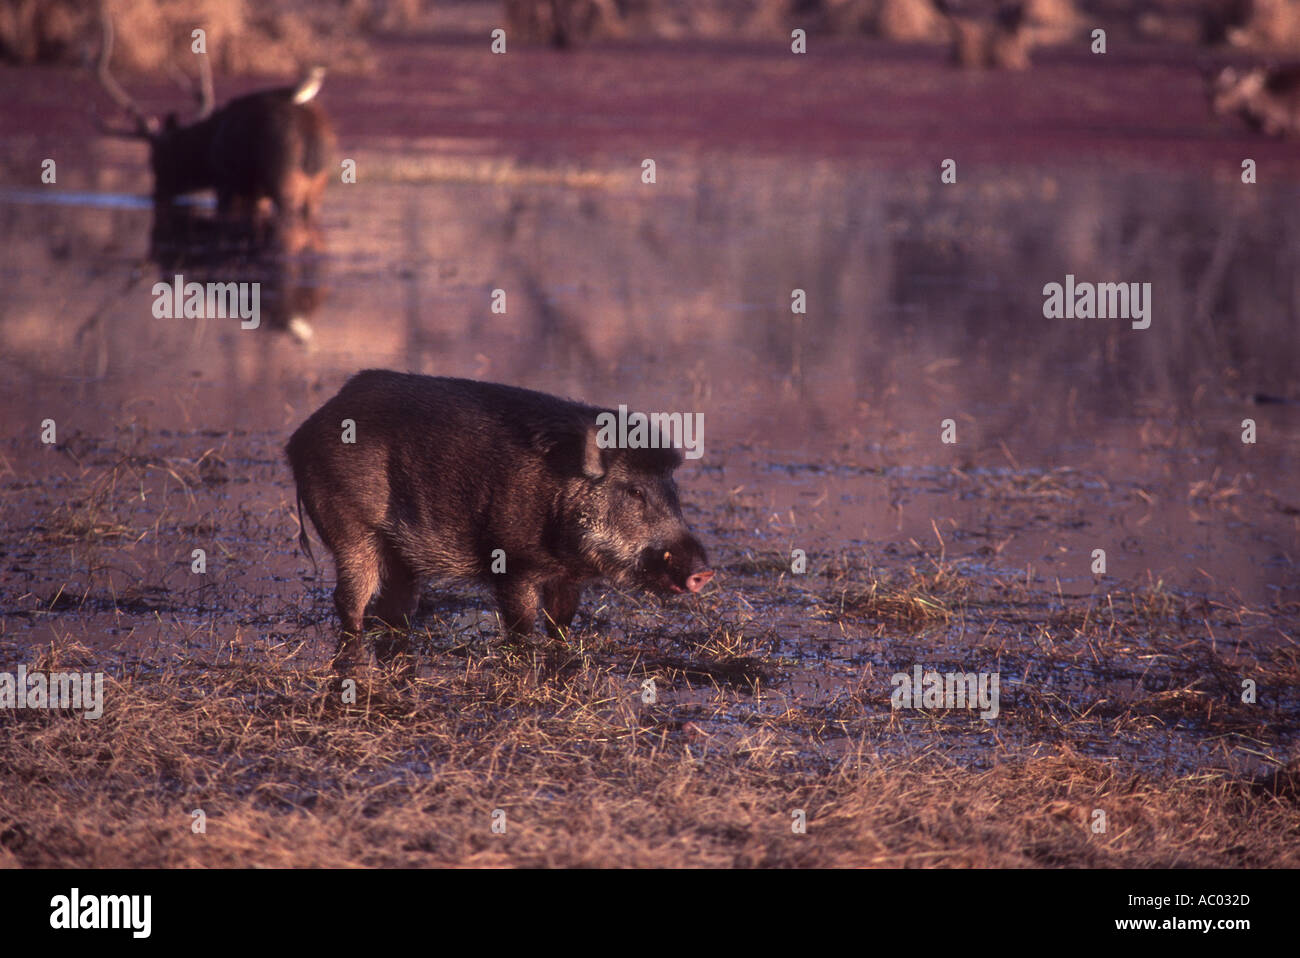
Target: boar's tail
[303,542]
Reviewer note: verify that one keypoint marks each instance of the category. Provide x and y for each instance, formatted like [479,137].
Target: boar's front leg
[517,602]
[560,603]
[399,596]
[399,592]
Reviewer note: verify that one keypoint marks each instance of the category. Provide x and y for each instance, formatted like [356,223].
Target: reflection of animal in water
[287,261]
[1001,42]
[1267,98]
[268,146]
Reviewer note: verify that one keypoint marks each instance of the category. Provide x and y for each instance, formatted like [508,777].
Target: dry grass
[585,773]
[155,35]
[913,599]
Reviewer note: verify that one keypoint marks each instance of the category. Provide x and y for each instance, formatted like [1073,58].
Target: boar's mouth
[675,570]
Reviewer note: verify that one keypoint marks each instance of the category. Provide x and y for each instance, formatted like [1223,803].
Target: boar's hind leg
[358,574]
[518,602]
[560,603]
[399,595]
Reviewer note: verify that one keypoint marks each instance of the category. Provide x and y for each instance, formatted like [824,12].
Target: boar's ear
[570,447]
[594,458]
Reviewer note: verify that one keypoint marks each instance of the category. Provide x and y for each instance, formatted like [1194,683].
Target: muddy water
[823,430]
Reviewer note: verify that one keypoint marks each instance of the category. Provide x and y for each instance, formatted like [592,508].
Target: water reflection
[906,283]
[283,258]
[924,303]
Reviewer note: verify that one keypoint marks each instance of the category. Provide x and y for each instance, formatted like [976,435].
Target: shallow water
[822,430]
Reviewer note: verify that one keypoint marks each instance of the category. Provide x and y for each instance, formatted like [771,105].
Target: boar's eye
[637,493]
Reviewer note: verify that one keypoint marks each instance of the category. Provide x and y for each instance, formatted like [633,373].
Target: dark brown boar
[445,472]
[271,145]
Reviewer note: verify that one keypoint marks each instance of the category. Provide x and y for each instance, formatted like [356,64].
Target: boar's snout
[699,580]
[680,567]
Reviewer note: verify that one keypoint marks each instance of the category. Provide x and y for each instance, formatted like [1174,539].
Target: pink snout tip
[699,580]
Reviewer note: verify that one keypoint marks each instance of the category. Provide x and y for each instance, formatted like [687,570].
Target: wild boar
[474,481]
